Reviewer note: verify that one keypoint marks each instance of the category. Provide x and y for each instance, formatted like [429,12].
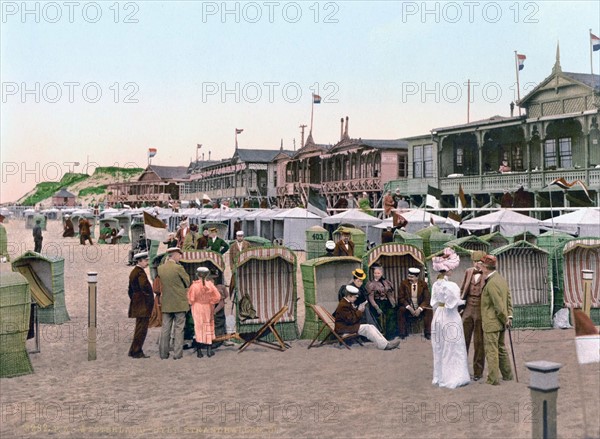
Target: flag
[595,42]
[239,131]
[462,200]
[433,197]
[316,99]
[154,228]
[198,146]
[317,204]
[564,184]
[521,61]
[587,338]
[151,152]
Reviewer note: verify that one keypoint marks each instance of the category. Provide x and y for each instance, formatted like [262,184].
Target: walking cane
[512,350]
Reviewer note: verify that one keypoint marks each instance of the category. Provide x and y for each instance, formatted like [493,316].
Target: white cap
[414,271]
[203,270]
[239,233]
[352,289]
[142,255]
[330,245]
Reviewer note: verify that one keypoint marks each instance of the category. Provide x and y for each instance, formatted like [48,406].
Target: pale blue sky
[369,60]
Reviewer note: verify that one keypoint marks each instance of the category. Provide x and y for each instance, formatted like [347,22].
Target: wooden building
[158,185]
[556,137]
[63,198]
[351,166]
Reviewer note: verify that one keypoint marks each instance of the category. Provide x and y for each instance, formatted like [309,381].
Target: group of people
[188,238]
[177,295]
[486,317]
[387,309]
[110,235]
[375,311]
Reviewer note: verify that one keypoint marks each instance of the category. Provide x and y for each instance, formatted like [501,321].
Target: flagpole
[518,87]
[591,59]
[468,100]
[236,144]
[312,110]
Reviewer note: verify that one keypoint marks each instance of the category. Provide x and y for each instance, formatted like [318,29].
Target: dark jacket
[140,294]
[340,249]
[423,294]
[347,318]
[219,245]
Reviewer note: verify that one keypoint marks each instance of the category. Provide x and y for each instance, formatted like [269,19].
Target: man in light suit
[496,317]
[175,282]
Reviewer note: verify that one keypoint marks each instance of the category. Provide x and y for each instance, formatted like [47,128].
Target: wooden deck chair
[266,329]
[328,322]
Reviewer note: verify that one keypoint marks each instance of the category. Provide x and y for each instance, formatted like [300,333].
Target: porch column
[479,135]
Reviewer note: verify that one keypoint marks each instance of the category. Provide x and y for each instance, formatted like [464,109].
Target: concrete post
[92,314]
[543,383]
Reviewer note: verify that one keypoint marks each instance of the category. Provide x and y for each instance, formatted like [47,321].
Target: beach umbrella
[508,222]
[582,222]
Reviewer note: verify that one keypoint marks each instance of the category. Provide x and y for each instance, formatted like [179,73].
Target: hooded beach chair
[328,322]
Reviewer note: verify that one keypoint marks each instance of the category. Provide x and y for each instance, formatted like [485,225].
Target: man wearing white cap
[237,247]
[347,321]
[414,303]
[141,302]
[175,282]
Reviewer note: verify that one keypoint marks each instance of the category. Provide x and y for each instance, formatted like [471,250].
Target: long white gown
[450,365]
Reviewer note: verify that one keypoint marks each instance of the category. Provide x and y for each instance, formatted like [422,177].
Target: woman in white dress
[450,366]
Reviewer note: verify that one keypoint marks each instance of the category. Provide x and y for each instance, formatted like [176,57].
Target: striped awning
[205,255]
[392,249]
[266,253]
[581,254]
[526,271]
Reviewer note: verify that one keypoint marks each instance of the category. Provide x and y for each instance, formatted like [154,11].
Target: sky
[88,84]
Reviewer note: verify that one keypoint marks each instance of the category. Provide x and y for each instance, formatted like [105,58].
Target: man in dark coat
[37,236]
[215,243]
[414,299]
[69,229]
[345,246]
[347,321]
[85,233]
[141,303]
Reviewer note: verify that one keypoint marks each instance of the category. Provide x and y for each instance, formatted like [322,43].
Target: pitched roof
[592,81]
[170,172]
[489,121]
[64,193]
[258,155]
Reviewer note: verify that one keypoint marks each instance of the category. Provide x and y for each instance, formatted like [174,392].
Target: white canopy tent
[582,222]
[506,221]
[358,219]
[291,225]
[419,219]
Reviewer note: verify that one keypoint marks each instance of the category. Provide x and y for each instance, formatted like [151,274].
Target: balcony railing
[534,180]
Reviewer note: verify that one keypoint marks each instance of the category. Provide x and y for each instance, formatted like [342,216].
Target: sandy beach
[326,392]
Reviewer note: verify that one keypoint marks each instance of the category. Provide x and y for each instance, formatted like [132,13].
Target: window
[558,153]
[459,157]
[274,178]
[402,166]
[423,161]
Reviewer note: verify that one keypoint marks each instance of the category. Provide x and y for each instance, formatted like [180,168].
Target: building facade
[557,137]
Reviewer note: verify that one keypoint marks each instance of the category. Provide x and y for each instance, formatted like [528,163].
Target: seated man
[347,321]
[414,303]
[141,246]
[105,234]
[120,234]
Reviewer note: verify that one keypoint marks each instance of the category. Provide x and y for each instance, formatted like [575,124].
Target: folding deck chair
[266,329]
[328,322]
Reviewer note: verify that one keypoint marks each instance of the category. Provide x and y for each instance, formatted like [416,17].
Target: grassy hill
[88,189]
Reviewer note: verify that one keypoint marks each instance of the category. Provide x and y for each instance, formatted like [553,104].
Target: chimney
[209,156]
[346,130]
[512,108]
[342,129]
